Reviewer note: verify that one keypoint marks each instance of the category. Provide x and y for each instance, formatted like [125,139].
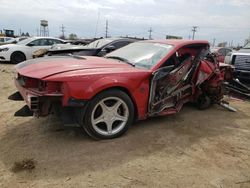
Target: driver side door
[169,85]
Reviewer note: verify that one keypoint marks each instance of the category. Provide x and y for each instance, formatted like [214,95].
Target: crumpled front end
[39,95]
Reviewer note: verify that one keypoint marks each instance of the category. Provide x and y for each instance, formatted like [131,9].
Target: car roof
[46,38]
[121,38]
[179,42]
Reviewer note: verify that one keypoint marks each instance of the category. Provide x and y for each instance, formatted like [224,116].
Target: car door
[169,85]
[37,45]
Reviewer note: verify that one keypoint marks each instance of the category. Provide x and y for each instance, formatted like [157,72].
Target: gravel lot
[194,148]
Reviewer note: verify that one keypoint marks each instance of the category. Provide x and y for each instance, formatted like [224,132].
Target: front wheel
[17,57]
[203,102]
[108,115]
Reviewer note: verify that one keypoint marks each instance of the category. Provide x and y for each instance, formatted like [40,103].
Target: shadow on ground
[68,152]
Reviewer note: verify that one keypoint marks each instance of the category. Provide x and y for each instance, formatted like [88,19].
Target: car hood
[9,45]
[44,67]
[69,47]
[64,46]
[244,50]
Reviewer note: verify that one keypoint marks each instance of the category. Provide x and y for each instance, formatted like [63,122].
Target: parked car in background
[81,41]
[241,61]
[97,48]
[105,95]
[221,53]
[23,50]
[18,39]
[6,40]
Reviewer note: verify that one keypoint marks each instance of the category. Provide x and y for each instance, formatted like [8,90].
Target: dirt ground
[190,149]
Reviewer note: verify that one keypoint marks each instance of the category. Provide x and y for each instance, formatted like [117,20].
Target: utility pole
[214,42]
[150,33]
[194,30]
[97,23]
[63,31]
[106,29]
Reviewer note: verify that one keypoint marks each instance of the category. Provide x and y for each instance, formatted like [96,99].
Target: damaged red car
[104,95]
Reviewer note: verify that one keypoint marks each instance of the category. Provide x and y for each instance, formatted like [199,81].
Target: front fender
[86,87]
[107,82]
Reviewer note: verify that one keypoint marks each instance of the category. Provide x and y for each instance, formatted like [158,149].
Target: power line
[63,30]
[194,30]
[106,29]
[150,33]
[97,23]
[214,39]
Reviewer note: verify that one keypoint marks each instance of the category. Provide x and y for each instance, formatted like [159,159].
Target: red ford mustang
[104,95]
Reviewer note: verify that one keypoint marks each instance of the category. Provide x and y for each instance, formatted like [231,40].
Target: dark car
[97,48]
[241,62]
[221,53]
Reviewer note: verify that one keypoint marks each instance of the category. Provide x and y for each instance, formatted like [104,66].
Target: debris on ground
[26,164]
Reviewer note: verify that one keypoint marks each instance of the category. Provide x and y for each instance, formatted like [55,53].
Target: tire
[203,102]
[108,115]
[17,57]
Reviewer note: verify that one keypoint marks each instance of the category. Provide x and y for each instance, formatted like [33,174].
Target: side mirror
[109,48]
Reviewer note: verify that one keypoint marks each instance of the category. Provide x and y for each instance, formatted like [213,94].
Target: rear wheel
[108,115]
[17,57]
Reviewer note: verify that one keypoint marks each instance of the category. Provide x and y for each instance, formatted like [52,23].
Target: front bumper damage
[25,110]
[37,103]
[41,104]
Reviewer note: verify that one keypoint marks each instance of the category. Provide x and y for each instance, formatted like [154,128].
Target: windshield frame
[25,41]
[169,49]
[247,46]
[108,41]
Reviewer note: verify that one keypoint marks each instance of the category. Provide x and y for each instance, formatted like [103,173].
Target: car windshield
[247,46]
[25,41]
[99,43]
[142,54]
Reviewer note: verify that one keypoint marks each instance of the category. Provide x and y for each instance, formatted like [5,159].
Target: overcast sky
[225,20]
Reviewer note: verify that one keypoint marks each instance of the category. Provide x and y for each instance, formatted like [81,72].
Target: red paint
[84,78]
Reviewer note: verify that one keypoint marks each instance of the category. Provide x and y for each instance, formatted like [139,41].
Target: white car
[6,40]
[23,50]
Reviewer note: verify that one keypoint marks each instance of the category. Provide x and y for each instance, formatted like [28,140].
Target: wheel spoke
[109,126]
[104,106]
[118,117]
[116,106]
[99,119]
